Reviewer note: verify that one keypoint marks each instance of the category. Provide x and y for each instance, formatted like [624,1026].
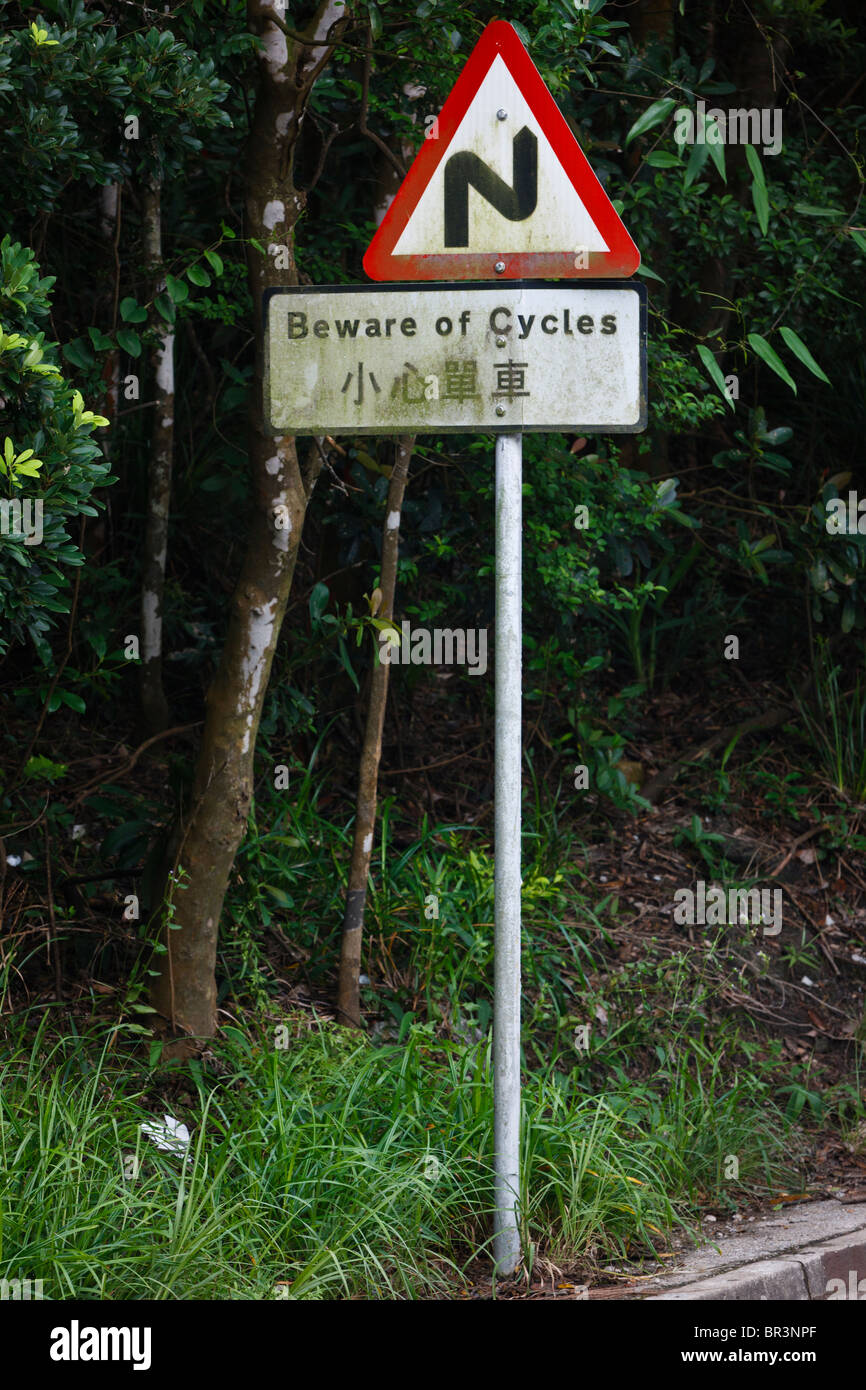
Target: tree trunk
[348,992]
[185,992]
[652,22]
[153,702]
[109,217]
[653,19]
[388,180]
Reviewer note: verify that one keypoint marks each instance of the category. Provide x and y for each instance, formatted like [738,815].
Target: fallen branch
[133,759]
[770,719]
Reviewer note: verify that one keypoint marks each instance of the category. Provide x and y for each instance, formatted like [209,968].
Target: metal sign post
[506,881]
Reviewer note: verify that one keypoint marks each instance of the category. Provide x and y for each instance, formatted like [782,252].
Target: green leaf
[214,261]
[659,159]
[799,349]
[165,307]
[761,204]
[347,665]
[73,701]
[697,159]
[760,198]
[100,342]
[198,275]
[178,289]
[129,341]
[132,311]
[650,274]
[319,599]
[858,238]
[763,544]
[714,371]
[98,641]
[43,769]
[666,492]
[717,155]
[809,211]
[780,435]
[653,116]
[282,897]
[755,165]
[375,20]
[773,361]
[78,353]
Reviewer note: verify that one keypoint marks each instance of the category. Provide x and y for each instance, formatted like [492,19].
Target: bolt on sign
[457,358]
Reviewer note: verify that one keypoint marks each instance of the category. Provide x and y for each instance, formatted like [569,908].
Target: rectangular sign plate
[522,356]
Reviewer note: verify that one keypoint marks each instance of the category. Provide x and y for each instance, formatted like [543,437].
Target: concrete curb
[801,1275]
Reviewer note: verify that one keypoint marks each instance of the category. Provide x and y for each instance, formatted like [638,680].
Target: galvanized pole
[507,755]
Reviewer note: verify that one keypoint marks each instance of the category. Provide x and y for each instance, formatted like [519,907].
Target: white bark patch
[166,421]
[261,634]
[272,465]
[381,208]
[280,505]
[151,622]
[368,842]
[276,52]
[284,530]
[275,211]
[165,365]
[334,10]
[393,521]
[108,208]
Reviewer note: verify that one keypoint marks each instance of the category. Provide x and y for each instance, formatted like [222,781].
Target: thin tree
[348,992]
[153,701]
[185,992]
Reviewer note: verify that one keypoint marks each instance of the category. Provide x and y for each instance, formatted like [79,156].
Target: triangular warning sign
[501,190]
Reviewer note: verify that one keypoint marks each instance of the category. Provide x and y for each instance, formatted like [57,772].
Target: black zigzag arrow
[516,201]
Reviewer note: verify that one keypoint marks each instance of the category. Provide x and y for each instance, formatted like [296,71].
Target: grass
[428,940]
[335,1168]
[836,727]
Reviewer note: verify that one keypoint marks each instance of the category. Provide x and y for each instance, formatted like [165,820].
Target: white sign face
[559,221]
[456,358]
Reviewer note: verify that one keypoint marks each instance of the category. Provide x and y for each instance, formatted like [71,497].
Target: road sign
[456,358]
[501,190]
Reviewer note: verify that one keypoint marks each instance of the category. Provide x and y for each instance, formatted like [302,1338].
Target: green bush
[50,464]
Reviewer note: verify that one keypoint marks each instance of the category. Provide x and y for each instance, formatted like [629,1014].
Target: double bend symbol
[515,201]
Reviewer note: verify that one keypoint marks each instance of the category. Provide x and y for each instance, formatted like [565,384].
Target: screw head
[500,342]
[499,267]
[501,115]
[500,410]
